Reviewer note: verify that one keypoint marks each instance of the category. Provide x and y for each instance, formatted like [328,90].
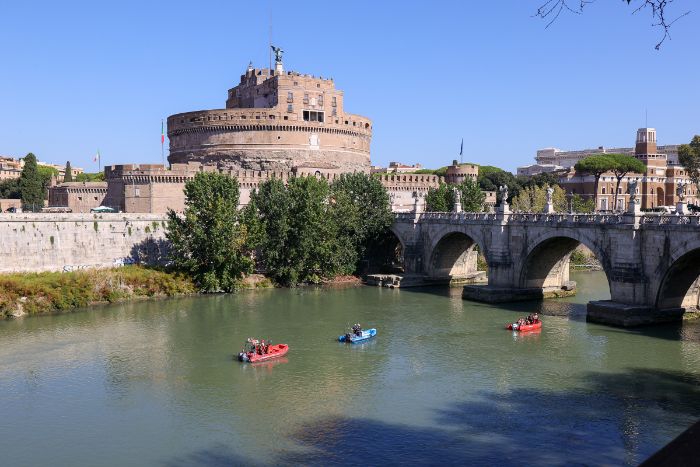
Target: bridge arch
[452,252]
[386,254]
[680,285]
[546,259]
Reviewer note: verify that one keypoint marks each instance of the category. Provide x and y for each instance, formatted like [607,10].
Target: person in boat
[357,329]
[535,318]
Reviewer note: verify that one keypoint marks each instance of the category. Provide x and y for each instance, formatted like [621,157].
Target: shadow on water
[610,425]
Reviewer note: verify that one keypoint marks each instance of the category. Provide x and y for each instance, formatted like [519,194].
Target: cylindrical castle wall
[259,140]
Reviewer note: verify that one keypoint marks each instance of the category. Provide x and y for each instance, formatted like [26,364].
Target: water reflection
[442,380]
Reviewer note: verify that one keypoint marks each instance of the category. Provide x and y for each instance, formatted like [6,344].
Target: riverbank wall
[69,242]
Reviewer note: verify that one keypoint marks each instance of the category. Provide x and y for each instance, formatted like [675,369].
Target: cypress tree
[30,184]
[68,177]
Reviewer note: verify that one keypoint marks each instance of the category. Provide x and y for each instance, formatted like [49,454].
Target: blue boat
[354,338]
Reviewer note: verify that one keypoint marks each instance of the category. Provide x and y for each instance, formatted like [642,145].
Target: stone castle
[275,121]
[276,124]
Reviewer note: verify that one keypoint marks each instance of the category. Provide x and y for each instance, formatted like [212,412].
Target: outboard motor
[243,356]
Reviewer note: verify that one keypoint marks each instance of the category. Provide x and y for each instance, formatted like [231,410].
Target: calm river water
[155,383]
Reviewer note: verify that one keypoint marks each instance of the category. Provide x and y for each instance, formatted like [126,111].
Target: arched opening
[660,200]
[548,266]
[680,288]
[385,256]
[454,258]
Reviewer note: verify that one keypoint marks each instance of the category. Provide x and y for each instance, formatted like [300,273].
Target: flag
[97,157]
[162,133]
[461,147]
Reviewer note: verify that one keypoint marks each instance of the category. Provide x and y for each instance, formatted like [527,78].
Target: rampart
[65,242]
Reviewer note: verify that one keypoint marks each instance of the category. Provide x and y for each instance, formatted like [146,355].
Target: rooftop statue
[278,53]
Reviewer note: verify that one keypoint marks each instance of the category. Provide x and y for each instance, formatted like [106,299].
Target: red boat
[255,352]
[524,327]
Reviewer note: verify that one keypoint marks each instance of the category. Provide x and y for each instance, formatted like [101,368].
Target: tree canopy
[622,165]
[534,199]
[689,157]
[207,241]
[595,165]
[31,184]
[442,199]
[68,175]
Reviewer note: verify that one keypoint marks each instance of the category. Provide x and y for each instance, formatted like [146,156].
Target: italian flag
[162,133]
[97,157]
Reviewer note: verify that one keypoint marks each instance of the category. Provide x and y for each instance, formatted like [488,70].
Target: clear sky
[80,76]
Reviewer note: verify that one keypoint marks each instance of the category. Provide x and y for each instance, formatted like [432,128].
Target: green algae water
[156,383]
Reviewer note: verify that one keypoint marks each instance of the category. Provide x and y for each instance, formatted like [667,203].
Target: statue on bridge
[550,193]
[680,191]
[632,190]
[504,194]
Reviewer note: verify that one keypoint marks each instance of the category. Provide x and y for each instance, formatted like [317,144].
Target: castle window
[334,103]
[290,97]
[306,98]
[334,112]
[257,117]
[318,85]
[296,83]
[290,108]
[320,100]
[286,118]
[313,116]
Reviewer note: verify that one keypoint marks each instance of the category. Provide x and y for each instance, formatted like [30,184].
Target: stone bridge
[652,262]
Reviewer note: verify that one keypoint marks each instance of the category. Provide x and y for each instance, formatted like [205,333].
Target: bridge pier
[495,294]
[624,315]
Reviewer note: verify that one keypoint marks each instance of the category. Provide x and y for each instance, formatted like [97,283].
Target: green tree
[472,198]
[68,176]
[491,178]
[689,157]
[362,211]
[298,236]
[580,205]
[90,177]
[442,199]
[30,184]
[624,164]
[10,189]
[439,199]
[47,174]
[595,165]
[534,199]
[207,241]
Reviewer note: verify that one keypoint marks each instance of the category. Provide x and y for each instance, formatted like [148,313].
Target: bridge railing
[555,218]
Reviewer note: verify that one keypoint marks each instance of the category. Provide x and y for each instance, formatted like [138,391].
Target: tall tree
[207,240]
[68,176]
[622,165]
[30,184]
[439,199]
[595,165]
[689,157]
[362,209]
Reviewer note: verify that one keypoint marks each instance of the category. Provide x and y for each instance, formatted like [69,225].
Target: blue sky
[78,76]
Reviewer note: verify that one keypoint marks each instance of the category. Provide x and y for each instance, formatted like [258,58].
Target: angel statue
[550,193]
[504,193]
[278,53]
[680,191]
[632,190]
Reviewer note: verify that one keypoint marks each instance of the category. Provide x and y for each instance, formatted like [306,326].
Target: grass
[43,292]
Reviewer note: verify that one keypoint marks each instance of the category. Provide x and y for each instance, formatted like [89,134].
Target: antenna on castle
[269,45]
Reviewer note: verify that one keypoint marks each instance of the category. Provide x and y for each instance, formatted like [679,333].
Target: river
[155,383]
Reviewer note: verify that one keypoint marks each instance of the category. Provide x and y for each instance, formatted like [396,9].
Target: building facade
[657,187]
[554,159]
[275,121]
[77,196]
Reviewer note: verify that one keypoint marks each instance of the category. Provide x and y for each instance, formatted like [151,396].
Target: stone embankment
[69,242]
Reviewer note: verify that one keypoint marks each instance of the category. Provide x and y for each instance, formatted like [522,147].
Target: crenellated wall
[64,242]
